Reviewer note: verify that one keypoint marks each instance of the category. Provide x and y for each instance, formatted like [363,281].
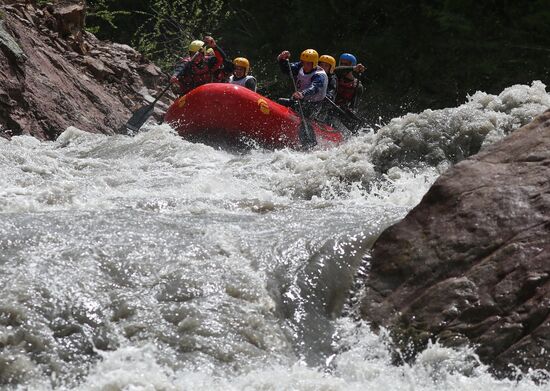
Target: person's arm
[295,66]
[357,96]
[283,60]
[222,52]
[179,70]
[344,70]
[215,62]
[251,84]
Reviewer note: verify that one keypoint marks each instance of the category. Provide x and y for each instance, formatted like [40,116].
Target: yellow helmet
[195,46]
[210,52]
[329,60]
[310,55]
[242,62]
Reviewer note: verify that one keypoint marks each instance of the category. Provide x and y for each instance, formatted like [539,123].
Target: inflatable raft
[228,114]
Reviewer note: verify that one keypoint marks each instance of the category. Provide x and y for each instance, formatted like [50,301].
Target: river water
[152,263]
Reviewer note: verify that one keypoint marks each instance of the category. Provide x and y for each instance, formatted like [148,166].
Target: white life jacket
[242,81]
[303,82]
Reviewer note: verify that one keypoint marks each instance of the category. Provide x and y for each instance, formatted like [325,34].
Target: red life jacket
[345,91]
[198,74]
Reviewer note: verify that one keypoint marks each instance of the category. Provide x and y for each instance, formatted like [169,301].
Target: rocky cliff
[54,74]
[471,263]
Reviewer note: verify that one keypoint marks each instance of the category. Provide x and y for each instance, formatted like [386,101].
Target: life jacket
[332,85]
[345,91]
[242,81]
[196,74]
[303,82]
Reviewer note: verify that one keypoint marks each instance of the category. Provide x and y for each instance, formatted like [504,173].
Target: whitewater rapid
[152,263]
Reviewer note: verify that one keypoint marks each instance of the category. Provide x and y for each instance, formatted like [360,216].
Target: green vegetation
[419,54]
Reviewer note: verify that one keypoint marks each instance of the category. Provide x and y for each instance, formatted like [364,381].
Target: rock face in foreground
[53,74]
[471,263]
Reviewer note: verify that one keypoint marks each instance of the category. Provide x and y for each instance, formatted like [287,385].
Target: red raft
[228,114]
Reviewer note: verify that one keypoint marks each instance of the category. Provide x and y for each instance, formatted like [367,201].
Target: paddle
[342,112]
[307,137]
[141,115]
[347,113]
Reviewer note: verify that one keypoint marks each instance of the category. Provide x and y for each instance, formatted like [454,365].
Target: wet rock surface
[471,263]
[54,74]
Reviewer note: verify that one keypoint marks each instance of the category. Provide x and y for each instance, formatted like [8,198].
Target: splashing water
[153,263]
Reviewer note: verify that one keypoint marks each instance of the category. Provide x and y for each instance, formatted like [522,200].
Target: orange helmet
[242,62]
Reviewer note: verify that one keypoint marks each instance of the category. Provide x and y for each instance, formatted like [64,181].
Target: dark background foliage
[419,54]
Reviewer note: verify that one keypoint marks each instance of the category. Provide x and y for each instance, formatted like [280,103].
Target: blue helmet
[349,57]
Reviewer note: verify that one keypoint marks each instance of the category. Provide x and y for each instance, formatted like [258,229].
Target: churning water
[151,263]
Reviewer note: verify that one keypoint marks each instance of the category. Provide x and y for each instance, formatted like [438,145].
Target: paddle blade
[139,118]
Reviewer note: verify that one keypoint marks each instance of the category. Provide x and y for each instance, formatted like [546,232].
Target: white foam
[196,249]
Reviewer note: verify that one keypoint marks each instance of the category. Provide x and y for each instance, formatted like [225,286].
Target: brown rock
[54,75]
[70,19]
[472,261]
[149,73]
[97,68]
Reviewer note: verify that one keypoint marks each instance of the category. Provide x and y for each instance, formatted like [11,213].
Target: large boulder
[471,263]
[54,74]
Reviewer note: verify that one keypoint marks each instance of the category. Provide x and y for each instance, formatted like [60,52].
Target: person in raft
[311,81]
[328,63]
[240,74]
[327,115]
[349,88]
[225,71]
[197,68]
